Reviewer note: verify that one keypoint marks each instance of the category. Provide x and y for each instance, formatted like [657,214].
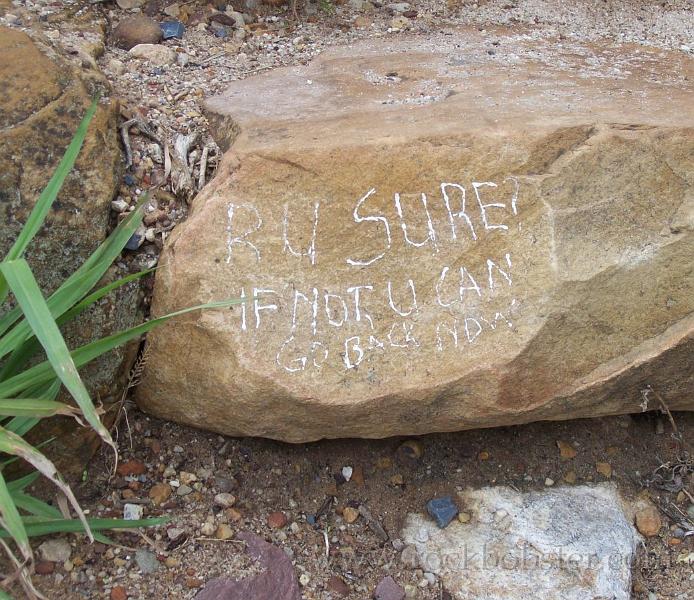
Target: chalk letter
[431,236]
[472,338]
[484,207]
[491,265]
[413,307]
[356,290]
[460,214]
[314,309]
[257,307]
[474,286]
[329,313]
[439,283]
[294,365]
[311,250]
[357,348]
[241,240]
[373,218]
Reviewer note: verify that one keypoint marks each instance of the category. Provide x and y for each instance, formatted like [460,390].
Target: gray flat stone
[570,543]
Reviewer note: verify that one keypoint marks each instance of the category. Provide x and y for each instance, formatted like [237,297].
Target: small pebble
[133,512]
[442,510]
[225,500]
[350,515]
[276,520]
[118,593]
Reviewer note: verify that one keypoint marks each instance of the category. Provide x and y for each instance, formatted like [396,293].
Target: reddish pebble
[337,586]
[132,467]
[119,593]
[192,583]
[276,520]
[44,567]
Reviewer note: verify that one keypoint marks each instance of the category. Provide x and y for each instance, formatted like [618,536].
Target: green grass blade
[5,595]
[21,425]
[21,355]
[28,295]
[48,195]
[35,506]
[18,485]
[43,372]
[12,521]
[34,407]
[49,526]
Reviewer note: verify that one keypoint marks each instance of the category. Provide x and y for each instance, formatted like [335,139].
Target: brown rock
[648,521]
[570,477]
[44,567]
[406,270]
[337,585]
[224,532]
[411,450]
[605,469]
[358,475]
[131,467]
[276,520]
[118,593]
[160,493]
[566,450]
[350,515]
[135,30]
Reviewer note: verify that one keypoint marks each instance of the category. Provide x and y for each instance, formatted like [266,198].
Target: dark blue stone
[135,241]
[311,519]
[442,510]
[128,179]
[172,29]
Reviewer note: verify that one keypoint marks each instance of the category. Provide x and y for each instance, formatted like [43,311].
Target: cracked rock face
[430,237]
[575,543]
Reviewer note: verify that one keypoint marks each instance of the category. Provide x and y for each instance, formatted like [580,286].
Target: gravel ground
[170,470]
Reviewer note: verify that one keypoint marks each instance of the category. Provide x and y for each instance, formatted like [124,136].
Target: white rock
[57,550]
[225,500]
[133,512]
[347,473]
[130,4]
[119,205]
[154,53]
[173,10]
[562,543]
[397,8]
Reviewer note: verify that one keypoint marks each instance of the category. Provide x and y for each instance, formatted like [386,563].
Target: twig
[125,135]
[181,179]
[666,410]
[208,539]
[203,167]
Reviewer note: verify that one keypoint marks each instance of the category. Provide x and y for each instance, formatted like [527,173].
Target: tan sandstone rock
[429,237]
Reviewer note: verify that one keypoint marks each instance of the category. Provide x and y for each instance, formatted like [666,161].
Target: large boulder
[43,98]
[431,234]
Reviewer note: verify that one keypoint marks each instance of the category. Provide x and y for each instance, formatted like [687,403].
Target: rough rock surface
[572,543]
[430,235]
[43,100]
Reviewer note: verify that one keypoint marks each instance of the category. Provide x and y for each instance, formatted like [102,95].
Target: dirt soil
[299,480]
[303,481]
